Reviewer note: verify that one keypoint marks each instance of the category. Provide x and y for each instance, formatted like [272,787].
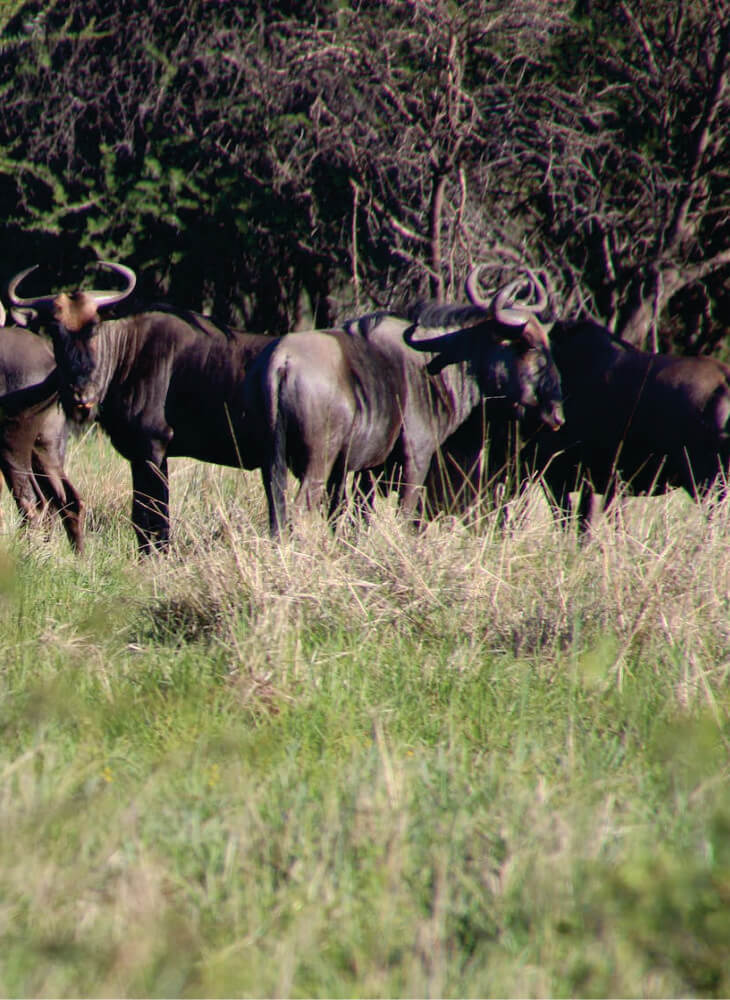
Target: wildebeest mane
[437,315]
[365,324]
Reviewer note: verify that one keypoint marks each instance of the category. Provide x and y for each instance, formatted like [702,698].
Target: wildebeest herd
[385,397]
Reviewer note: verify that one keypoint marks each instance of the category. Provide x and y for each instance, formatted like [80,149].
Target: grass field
[465,761]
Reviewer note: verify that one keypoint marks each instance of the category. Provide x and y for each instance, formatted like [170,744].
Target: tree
[631,168]
[284,163]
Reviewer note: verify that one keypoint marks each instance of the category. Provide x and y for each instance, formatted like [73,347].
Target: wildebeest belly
[204,432]
[372,438]
[215,434]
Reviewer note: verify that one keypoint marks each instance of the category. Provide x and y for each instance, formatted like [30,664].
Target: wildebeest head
[76,338]
[504,343]
[535,384]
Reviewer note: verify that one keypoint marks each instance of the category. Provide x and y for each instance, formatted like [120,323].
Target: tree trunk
[437,205]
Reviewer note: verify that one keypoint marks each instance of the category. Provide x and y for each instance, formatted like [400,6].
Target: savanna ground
[464,762]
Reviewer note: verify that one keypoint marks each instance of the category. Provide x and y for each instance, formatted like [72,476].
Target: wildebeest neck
[458,387]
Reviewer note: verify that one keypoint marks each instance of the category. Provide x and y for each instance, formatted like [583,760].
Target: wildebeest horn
[3,315]
[105,298]
[502,304]
[472,287]
[516,314]
[39,302]
[110,298]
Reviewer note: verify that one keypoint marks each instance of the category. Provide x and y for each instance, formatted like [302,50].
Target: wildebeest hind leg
[336,489]
[274,479]
[61,496]
[311,491]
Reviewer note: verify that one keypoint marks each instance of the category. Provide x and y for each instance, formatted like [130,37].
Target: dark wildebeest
[34,433]
[160,384]
[647,421]
[521,383]
[379,397]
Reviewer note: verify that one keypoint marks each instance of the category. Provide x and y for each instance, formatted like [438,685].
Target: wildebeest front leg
[590,504]
[364,489]
[150,504]
[414,472]
[559,479]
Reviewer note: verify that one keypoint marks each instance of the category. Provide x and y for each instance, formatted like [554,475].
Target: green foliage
[673,910]
[254,159]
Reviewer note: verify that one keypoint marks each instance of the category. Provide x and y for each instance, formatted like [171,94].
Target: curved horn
[110,298]
[517,314]
[540,292]
[40,302]
[472,287]
[3,315]
[105,298]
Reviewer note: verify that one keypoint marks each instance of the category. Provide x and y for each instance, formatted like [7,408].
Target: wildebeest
[325,402]
[34,433]
[380,396]
[159,384]
[647,421]
[320,403]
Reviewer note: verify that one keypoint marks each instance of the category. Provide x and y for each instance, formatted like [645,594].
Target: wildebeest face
[537,386]
[75,346]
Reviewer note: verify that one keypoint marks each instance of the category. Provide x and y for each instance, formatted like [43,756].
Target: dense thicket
[285,162]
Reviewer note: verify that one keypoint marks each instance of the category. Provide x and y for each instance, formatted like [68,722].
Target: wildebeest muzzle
[82,407]
[553,417]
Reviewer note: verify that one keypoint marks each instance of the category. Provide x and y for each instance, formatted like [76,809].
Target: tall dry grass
[652,580]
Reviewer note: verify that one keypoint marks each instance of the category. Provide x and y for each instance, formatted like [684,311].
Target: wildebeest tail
[275,474]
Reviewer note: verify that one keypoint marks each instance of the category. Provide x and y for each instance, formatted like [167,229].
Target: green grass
[460,762]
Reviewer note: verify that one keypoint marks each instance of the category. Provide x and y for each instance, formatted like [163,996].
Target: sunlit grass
[380,761]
